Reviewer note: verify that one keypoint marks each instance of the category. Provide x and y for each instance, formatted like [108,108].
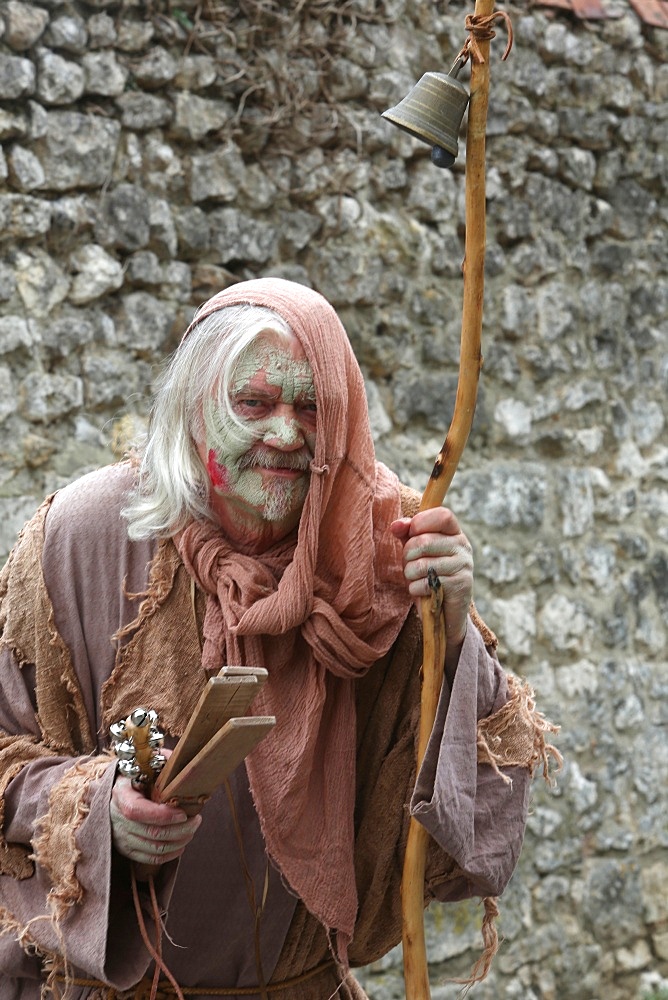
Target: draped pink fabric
[316,610]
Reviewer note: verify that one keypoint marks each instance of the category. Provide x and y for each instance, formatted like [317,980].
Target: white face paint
[258,465]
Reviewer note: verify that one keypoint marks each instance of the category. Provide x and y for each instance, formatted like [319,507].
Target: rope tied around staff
[479,27]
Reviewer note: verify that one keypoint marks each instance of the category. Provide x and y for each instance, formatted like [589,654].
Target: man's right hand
[148,832]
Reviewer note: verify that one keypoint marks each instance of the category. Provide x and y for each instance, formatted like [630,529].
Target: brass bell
[433,113]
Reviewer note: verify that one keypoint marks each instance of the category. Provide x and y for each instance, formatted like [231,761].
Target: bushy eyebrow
[268,393]
[249,390]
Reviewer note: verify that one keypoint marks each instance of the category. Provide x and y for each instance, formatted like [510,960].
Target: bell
[433,113]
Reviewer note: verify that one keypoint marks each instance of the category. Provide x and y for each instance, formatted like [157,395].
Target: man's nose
[284,432]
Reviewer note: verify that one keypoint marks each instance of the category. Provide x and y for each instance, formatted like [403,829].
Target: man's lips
[279,471]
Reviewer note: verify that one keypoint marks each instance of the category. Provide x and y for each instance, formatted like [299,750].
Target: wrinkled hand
[148,832]
[433,539]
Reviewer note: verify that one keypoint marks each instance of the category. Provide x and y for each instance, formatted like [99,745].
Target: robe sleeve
[472,792]
[64,892]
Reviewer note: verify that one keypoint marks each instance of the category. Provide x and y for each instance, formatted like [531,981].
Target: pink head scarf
[317,612]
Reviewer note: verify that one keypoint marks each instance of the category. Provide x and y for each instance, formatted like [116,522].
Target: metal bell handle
[137,742]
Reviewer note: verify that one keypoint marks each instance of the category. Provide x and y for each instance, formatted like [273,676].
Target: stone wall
[155,152]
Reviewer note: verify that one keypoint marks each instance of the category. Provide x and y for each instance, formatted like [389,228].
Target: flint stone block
[17,77]
[77,151]
[15,334]
[554,310]
[195,73]
[429,396]
[37,120]
[560,43]
[24,24]
[144,268]
[68,33]
[578,167]
[433,195]
[647,421]
[23,217]
[612,901]
[44,397]
[177,281]
[162,230]
[193,230]
[104,74]
[147,323]
[346,81]
[633,204]
[66,333]
[101,31]
[109,379]
[599,565]
[59,81]
[144,111]
[507,496]
[12,125]
[14,512]
[566,624]
[25,170]
[40,282]
[498,565]
[347,275]
[514,417]
[576,499]
[629,713]
[124,220]
[96,273]
[298,228]
[216,175]
[133,36]
[7,281]
[196,116]
[518,317]
[517,622]
[578,679]
[7,393]
[155,69]
[237,236]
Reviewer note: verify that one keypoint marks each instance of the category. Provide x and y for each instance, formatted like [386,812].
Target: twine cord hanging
[480,29]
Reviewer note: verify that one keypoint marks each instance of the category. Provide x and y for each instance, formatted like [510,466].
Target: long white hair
[173,485]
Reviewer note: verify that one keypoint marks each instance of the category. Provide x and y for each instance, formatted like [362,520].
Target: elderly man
[257,529]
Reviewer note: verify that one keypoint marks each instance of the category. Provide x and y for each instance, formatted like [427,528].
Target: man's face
[259,471]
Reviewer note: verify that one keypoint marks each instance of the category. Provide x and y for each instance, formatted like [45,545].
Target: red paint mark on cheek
[217,472]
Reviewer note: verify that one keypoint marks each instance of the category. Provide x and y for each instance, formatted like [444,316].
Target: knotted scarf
[317,610]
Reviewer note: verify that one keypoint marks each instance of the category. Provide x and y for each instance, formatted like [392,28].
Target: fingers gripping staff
[434,624]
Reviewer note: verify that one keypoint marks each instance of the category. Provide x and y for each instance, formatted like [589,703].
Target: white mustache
[270,459]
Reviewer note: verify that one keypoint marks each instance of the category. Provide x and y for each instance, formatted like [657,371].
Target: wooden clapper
[217,738]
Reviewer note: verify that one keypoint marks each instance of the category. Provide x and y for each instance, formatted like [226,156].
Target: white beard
[283,498]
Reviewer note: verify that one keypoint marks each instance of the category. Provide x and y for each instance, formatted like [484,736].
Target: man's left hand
[433,540]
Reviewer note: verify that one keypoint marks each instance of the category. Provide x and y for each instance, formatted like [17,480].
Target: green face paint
[259,462]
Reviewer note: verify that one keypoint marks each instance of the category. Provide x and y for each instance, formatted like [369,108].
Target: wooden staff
[416,973]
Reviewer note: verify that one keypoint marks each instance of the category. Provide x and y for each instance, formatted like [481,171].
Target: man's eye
[249,404]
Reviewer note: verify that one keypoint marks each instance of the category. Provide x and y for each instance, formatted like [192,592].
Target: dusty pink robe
[89,569]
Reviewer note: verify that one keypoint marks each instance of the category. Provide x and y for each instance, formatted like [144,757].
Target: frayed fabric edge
[54,845]
[160,584]
[16,754]
[55,850]
[490,937]
[515,736]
